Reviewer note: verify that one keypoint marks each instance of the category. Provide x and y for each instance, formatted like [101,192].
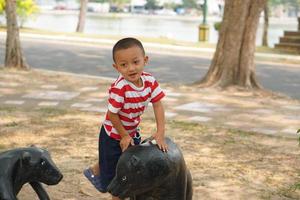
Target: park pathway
[246,111]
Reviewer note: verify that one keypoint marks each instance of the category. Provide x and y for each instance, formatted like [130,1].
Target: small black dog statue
[27,165]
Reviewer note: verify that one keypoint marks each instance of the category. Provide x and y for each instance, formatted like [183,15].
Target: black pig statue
[26,165]
[144,172]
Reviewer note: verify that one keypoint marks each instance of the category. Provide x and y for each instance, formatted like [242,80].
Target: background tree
[25,9]
[119,3]
[266,26]
[233,61]
[151,5]
[189,4]
[82,14]
[2,6]
[13,54]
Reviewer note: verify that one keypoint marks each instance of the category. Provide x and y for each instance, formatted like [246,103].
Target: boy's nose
[131,67]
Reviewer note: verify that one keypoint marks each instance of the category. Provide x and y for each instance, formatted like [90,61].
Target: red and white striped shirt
[130,102]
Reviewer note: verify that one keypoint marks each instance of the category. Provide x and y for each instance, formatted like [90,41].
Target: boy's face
[130,63]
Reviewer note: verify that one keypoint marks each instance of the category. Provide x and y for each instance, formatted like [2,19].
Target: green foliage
[99,1]
[171,5]
[25,8]
[292,3]
[119,2]
[190,4]
[275,2]
[151,5]
[2,6]
[217,26]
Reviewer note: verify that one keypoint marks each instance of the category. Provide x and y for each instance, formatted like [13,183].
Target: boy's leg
[96,169]
[93,172]
[110,152]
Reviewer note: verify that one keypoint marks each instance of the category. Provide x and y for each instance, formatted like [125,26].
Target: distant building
[46,4]
[137,6]
[58,4]
[98,7]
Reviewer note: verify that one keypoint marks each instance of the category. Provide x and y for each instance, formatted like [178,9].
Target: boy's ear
[146,59]
[115,66]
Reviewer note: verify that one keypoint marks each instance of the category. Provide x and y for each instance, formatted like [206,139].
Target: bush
[217,26]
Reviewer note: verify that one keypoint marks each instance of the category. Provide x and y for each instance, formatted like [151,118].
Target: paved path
[169,64]
[237,110]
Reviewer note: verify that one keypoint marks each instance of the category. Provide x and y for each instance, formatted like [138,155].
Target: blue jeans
[109,154]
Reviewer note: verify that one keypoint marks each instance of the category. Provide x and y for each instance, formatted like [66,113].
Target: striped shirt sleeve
[116,99]
[157,93]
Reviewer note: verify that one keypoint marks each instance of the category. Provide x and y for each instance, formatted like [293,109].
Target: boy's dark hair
[126,43]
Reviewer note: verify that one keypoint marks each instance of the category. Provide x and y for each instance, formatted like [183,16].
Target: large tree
[233,61]
[13,55]
[82,14]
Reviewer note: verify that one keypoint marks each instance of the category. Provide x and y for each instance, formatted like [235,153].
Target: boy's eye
[136,62]
[123,65]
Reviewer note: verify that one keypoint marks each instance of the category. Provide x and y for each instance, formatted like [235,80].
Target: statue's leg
[6,191]
[40,191]
[189,188]
[132,198]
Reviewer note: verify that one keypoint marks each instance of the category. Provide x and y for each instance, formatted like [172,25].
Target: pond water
[178,28]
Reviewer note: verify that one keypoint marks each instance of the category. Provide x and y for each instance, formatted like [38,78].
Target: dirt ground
[225,164]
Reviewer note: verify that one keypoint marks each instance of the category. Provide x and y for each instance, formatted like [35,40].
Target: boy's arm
[159,136]
[126,140]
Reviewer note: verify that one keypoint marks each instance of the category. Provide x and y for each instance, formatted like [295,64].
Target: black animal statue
[144,172]
[27,165]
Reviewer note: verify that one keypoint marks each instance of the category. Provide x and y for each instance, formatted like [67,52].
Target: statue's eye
[43,162]
[124,178]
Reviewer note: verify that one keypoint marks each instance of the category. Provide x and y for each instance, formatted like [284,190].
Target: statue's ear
[134,161]
[26,157]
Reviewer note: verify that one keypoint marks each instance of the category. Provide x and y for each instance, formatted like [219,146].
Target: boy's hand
[160,140]
[125,142]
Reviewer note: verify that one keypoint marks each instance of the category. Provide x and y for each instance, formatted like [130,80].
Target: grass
[225,163]
[289,192]
[52,112]
[296,186]
[7,109]
[187,126]
[12,124]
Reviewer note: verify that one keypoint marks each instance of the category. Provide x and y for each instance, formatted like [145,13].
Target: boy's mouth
[133,75]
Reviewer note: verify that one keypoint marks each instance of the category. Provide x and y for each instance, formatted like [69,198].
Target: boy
[129,96]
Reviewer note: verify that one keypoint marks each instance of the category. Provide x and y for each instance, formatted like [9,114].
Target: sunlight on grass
[52,111]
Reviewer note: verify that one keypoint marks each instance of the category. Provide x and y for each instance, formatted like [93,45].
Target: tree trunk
[13,55]
[82,14]
[233,61]
[266,26]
